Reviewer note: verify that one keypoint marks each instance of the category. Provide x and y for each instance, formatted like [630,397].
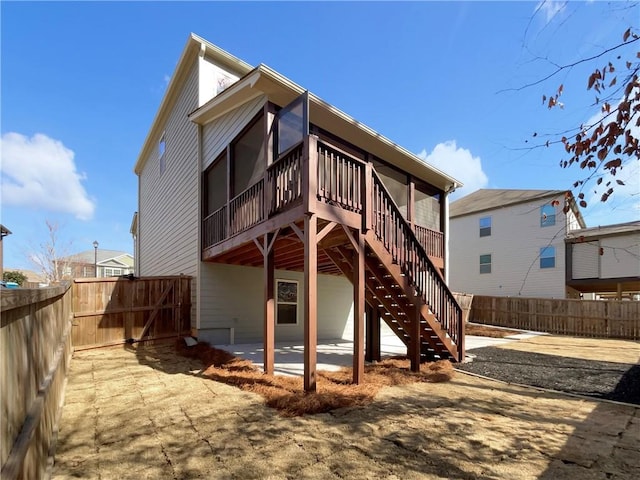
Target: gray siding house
[295,221]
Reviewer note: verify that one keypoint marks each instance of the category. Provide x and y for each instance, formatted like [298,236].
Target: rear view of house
[295,221]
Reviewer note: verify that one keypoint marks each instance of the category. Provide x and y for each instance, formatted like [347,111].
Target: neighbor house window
[112,272]
[485,263]
[286,302]
[547,215]
[548,257]
[162,147]
[485,226]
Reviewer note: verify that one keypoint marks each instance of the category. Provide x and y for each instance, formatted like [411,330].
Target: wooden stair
[389,290]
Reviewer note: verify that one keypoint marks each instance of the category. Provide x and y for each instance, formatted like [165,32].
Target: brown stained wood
[310,302]
[359,281]
[269,304]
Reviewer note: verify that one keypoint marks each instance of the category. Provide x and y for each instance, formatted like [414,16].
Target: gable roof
[491,199]
[104,256]
[262,80]
[195,45]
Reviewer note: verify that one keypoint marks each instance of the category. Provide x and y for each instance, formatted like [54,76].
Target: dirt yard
[146,412]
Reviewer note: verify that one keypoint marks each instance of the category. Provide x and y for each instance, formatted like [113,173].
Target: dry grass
[334,389]
[488,331]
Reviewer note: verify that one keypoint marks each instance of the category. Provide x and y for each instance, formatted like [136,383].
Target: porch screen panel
[427,208]
[396,184]
[248,157]
[216,186]
[292,124]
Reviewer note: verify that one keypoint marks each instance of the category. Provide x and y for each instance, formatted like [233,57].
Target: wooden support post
[310,174]
[368,333]
[269,306]
[372,352]
[359,280]
[367,197]
[310,301]
[375,334]
[414,346]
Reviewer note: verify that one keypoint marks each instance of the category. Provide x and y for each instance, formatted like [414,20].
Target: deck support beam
[373,335]
[269,300]
[359,280]
[415,343]
[310,301]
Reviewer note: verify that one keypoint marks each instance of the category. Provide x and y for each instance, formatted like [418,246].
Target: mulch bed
[607,380]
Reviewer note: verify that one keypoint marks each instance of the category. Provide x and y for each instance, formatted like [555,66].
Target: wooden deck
[319,210]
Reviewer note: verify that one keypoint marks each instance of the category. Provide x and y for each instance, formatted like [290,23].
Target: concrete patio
[337,353]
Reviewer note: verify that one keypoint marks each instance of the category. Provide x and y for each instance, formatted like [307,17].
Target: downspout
[445,228]
[199,162]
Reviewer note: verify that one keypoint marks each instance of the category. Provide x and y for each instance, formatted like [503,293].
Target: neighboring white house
[221,182]
[511,242]
[97,263]
[605,260]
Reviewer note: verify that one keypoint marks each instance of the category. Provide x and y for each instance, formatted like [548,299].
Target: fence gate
[111,311]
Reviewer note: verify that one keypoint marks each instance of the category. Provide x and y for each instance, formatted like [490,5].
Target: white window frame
[486,229]
[162,151]
[547,249]
[546,218]
[484,264]
[296,303]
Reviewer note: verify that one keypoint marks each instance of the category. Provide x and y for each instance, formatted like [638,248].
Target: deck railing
[432,241]
[215,227]
[339,178]
[340,182]
[284,179]
[395,233]
[247,208]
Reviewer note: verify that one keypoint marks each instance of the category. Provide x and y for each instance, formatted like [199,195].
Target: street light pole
[95,257]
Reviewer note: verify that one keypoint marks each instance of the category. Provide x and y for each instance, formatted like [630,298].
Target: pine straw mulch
[488,331]
[334,389]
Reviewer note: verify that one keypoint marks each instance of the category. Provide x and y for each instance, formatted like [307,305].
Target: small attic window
[162,147]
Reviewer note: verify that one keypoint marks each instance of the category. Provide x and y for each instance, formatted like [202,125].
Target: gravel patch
[598,379]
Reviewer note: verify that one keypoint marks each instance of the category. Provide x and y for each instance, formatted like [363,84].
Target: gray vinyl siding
[233,297]
[620,256]
[219,133]
[168,202]
[514,245]
[585,260]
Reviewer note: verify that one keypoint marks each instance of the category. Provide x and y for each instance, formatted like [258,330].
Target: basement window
[286,302]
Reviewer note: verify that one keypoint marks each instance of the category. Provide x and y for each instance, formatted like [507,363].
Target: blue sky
[81,83]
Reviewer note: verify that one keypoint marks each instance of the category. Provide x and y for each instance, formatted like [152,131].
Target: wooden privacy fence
[35,352]
[111,311]
[581,318]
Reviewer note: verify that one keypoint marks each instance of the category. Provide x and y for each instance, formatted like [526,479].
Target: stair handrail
[412,254]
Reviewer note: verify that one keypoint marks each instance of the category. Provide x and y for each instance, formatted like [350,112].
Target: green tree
[14,276]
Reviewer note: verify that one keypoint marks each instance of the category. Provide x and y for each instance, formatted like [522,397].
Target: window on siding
[548,257]
[485,263]
[162,147]
[286,302]
[547,215]
[485,227]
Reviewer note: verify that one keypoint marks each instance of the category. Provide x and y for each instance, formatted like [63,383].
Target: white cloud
[460,164]
[550,8]
[40,172]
